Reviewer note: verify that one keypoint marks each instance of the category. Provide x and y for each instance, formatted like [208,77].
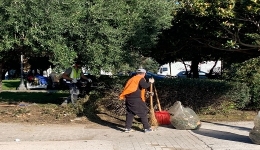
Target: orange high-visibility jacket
[131,86]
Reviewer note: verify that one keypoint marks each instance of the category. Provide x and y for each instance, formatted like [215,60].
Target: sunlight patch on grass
[10,84]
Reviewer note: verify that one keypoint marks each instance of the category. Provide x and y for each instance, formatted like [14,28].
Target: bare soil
[51,114]
[56,114]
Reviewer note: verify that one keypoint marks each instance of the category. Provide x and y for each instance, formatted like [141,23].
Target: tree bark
[1,72]
[194,68]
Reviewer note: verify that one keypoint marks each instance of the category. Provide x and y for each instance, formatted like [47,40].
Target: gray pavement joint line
[199,139]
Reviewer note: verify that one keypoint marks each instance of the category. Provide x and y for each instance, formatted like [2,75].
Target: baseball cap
[141,71]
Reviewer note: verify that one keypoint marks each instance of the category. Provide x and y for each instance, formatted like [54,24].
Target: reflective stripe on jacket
[131,86]
[75,74]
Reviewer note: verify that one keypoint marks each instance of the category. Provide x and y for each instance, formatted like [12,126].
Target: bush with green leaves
[213,96]
[201,94]
[247,72]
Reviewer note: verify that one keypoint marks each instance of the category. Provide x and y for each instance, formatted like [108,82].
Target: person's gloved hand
[148,94]
[89,80]
[151,80]
[151,93]
[74,81]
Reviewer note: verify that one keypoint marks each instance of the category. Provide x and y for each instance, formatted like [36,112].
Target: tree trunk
[1,72]
[194,68]
[211,70]
[170,67]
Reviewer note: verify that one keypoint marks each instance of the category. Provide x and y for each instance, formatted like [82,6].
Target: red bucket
[163,117]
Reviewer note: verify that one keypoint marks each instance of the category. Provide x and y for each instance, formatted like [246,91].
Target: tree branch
[225,49]
[246,45]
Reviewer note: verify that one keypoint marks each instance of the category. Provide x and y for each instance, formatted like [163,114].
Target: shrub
[199,95]
[239,94]
[247,72]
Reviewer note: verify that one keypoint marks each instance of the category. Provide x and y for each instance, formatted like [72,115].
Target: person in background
[72,75]
[6,75]
[11,74]
[134,96]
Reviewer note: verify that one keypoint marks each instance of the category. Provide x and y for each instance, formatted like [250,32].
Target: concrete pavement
[211,136]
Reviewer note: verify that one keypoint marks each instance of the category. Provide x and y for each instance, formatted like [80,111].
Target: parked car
[184,74]
[155,76]
[150,75]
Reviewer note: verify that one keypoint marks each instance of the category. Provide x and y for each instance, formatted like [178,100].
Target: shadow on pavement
[112,122]
[232,126]
[223,135]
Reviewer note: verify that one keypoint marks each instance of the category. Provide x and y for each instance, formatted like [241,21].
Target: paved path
[211,136]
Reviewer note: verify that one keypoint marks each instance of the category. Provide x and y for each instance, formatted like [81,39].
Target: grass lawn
[47,107]
[34,106]
[10,84]
[31,97]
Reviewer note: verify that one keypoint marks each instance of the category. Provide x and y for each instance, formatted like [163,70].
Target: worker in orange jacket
[134,96]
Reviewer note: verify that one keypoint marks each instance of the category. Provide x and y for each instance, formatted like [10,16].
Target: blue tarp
[42,80]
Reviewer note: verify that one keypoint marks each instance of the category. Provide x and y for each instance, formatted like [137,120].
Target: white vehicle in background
[102,72]
[173,68]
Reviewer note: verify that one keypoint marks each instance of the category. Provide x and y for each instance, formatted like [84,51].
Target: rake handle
[151,97]
[157,98]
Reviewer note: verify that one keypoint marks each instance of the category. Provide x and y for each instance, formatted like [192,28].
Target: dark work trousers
[71,87]
[135,106]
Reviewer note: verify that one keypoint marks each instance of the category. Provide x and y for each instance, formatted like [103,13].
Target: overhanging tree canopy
[103,33]
[211,30]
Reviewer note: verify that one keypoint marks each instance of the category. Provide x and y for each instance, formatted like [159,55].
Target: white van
[173,68]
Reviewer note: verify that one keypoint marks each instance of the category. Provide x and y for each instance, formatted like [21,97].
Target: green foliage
[204,8]
[36,28]
[240,95]
[113,35]
[147,63]
[248,73]
[195,93]
[119,32]
[202,95]
[32,97]
[150,18]
[220,29]
[10,84]
[208,96]
[151,65]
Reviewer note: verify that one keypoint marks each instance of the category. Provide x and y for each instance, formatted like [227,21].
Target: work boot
[128,130]
[148,130]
